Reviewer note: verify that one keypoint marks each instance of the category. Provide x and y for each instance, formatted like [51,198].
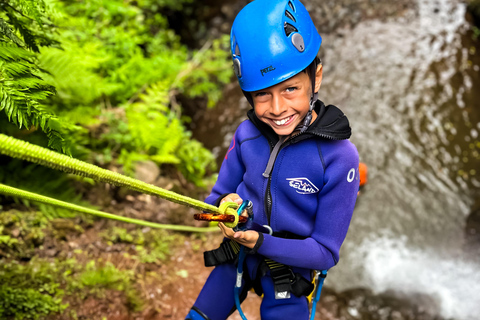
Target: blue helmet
[271,41]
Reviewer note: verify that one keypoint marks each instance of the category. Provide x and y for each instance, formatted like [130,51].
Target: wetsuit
[308,190]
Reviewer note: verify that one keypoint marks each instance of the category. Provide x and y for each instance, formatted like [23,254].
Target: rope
[13,192]
[26,151]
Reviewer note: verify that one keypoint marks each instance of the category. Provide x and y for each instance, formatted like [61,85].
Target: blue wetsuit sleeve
[336,202]
[231,172]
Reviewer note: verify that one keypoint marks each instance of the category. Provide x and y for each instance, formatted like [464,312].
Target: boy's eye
[259,94]
[291,89]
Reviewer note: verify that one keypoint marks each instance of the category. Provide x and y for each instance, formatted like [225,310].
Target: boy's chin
[283,131]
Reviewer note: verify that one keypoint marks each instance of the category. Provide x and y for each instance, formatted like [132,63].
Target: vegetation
[46,286]
[98,80]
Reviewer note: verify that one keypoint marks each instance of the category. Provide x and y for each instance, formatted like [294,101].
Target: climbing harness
[284,279]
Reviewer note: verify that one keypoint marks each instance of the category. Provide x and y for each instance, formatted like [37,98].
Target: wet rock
[64,227]
[473,8]
[363,304]
[472,230]
[146,171]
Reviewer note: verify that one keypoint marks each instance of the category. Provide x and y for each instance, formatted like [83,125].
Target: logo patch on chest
[302,185]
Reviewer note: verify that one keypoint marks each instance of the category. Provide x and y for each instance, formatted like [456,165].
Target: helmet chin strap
[308,117]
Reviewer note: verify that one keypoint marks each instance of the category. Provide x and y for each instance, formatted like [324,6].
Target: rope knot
[229,208]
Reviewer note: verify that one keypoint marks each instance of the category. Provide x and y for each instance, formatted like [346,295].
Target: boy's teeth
[281,122]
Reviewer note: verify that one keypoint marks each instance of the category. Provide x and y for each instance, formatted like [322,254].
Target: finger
[227,232]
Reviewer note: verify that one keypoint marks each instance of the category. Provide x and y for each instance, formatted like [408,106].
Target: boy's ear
[318,77]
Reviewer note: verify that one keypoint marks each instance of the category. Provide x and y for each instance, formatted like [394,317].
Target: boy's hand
[247,238]
[232,197]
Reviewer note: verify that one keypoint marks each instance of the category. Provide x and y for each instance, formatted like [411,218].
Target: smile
[283,121]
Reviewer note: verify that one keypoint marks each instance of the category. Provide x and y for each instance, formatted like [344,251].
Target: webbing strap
[227,252]
[285,280]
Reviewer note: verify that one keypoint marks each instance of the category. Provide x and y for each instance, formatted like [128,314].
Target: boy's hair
[311,69]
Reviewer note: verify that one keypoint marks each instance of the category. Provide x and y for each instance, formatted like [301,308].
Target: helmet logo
[266,70]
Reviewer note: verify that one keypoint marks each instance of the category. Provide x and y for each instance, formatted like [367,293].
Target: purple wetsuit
[306,186]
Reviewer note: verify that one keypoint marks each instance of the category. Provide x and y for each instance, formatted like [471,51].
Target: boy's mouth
[283,121]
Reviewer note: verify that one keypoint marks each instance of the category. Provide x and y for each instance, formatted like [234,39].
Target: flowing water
[411,89]
[410,86]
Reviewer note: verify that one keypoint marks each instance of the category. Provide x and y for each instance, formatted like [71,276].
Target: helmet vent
[290,16]
[290,4]
[237,50]
[289,28]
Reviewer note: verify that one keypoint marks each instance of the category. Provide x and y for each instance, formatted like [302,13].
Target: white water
[403,85]
[452,281]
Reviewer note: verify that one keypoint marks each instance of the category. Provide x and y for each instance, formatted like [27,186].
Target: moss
[21,232]
[31,291]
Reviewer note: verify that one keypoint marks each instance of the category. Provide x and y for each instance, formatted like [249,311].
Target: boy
[291,159]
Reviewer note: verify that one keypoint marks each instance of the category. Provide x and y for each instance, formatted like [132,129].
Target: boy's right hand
[247,238]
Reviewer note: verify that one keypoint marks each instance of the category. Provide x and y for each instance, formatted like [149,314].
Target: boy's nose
[278,106]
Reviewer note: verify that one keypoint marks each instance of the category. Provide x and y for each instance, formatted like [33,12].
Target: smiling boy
[291,159]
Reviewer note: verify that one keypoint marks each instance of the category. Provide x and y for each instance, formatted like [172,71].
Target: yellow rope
[13,192]
[26,151]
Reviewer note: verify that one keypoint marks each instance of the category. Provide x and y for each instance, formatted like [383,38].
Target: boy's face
[284,106]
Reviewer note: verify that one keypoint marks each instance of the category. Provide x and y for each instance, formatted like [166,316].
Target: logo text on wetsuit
[266,70]
[302,185]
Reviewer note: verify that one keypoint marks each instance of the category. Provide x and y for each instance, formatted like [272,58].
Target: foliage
[37,289]
[103,277]
[156,134]
[205,71]
[121,78]
[196,161]
[99,80]
[30,291]
[116,69]
[42,180]
[151,246]
[98,278]
[25,27]
[21,232]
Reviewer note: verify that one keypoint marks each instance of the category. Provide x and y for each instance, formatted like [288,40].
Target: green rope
[26,151]
[13,192]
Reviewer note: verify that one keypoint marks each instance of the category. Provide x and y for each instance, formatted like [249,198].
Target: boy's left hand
[247,238]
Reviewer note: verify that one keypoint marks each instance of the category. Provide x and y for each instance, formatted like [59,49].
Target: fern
[9,34]
[22,89]
[20,93]
[28,18]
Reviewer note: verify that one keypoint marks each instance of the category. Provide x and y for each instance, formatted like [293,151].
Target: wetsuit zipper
[268,195]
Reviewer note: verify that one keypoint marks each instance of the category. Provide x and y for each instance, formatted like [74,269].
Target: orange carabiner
[218,217]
